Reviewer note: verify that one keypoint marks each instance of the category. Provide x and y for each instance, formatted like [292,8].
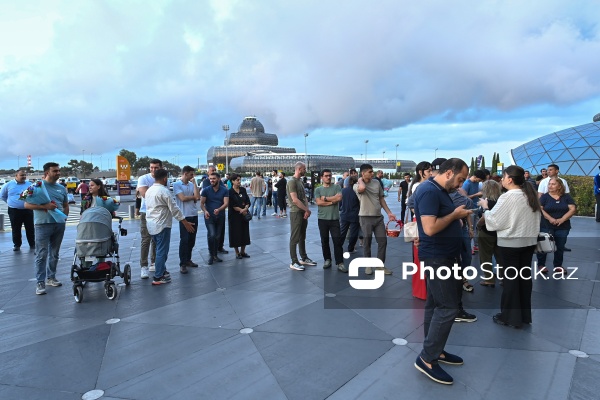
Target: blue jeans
[264,206]
[274,200]
[254,200]
[214,226]
[187,240]
[441,307]
[48,238]
[163,241]
[465,251]
[560,239]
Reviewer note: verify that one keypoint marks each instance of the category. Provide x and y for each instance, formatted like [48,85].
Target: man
[274,180]
[160,211]
[597,194]
[257,188]
[48,233]
[342,181]
[370,195]
[544,173]
[327,197]
[439,246]
[379,177]
[186,197]
[147,245]
[349,220]
[473,192]
[351,172]
[214,201]
[402,192]
[265,196]
[17,213]
[553,171]
[530,180]
[83,189]
[299,214]
[206,183]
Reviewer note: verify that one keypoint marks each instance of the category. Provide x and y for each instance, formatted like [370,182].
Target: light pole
[83,155]
[435,153]
[18,162]
[305,151]
[226,129]
[92,159]
[100,162]
[366,142]
[396,167]
[384,154]
[361,156]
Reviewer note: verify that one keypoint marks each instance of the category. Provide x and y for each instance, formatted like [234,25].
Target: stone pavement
[313,336]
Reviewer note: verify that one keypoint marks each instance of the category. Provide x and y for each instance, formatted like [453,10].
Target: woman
[488,240]
[239,228]
[557,209]
[281,193]
[94,197]
[422,173]
[516,220]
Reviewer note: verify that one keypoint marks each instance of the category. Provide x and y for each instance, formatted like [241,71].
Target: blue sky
[161,77]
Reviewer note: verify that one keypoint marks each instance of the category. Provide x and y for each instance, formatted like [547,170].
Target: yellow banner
[123,169]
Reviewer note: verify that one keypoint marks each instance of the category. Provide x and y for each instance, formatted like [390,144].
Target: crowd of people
[457,215]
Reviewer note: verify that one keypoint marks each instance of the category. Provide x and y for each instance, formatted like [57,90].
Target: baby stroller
[95,243]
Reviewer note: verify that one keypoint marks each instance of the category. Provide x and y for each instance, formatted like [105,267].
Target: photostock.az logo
[364,262]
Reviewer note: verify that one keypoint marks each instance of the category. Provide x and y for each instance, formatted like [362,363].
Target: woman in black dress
[239,228]
[281,193]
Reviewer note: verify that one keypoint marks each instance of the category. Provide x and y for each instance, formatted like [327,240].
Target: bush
[582,191]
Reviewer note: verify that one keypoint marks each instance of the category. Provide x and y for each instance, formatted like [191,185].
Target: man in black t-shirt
[402,192]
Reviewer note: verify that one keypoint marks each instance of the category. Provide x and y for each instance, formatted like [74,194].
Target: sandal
[238,256]
[467,287]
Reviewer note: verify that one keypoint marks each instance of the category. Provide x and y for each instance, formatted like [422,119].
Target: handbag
[411,230]
[248,217]
[545,243]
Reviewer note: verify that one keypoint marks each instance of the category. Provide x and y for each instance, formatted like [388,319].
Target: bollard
[1,222]
[132,211]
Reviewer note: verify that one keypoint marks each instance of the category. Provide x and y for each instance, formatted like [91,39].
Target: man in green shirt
[327,197]
[370,195]
[299,214]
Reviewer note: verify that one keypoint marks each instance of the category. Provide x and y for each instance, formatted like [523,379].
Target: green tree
[494,162]
[129,155]
[472,169]
[141,165]
[174,170]
[482,162]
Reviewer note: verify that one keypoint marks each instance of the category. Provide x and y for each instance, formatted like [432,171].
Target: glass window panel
[536,158]
[577,151]
[564,165]
[566,156]
[588,154]
[555,145]
[565,133]
[589,166]
[544,161]
[555,154]
[572,143]
[574,170]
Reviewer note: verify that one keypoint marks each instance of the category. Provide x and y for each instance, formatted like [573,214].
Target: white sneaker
[274,215]
[144,273]
[152,268]
[296,267]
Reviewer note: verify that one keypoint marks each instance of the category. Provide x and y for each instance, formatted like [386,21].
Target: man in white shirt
[160,211]
[553,171]
[186,197]
[146,245]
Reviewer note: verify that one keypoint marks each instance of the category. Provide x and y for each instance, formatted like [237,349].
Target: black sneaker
[160,281]
[17,248]
[217,259]
[464,316]
[435,373]
[210,260]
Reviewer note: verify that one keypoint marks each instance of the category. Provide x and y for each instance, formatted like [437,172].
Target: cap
[435,164]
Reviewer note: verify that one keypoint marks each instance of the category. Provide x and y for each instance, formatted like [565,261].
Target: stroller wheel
[111,291]
[127,274]
[78,293]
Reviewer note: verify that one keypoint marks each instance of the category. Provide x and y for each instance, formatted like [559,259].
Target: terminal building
[575,150]
[251,149]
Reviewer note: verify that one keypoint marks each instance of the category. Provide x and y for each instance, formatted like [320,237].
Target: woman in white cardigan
[516,220]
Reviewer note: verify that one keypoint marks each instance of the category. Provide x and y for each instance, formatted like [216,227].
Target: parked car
[72,182]
[133,183]
[111,184]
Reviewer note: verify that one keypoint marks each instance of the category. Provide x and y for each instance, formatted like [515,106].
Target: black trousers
[18,217]
[331,228]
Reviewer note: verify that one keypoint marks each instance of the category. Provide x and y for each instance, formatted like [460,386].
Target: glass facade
[286,162]
[575,150]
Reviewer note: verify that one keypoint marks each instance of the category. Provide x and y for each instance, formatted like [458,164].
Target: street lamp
[83,155]
[18,162]
[366,142]
[435,153]
[384,154]
[92,159]
[396,167]
[305,151]
[82,159]
[226,129]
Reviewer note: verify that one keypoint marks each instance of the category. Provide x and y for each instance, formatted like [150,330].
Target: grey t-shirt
[370,203]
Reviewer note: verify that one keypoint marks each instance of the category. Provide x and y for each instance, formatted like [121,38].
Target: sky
[84,79]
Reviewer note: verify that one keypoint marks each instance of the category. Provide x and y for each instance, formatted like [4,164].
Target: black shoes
[498,320]
[245,255]
[435,373]
[210,260]
[450,359]
[223,251]
[217,259]
[464,316]
[17,248]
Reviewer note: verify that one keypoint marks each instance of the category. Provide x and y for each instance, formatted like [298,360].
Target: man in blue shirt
[213,202]
[17,212]
[206,183]
[439,248]
[48,233]
[597,194]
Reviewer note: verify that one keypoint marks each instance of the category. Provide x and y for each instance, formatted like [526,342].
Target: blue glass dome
[575,150]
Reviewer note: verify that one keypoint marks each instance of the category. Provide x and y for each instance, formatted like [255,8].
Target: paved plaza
[312,335]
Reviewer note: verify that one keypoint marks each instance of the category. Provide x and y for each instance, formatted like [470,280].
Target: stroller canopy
[94,232]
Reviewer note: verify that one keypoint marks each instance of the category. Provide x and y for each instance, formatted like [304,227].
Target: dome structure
[575,150]
[251,125]
[252,132]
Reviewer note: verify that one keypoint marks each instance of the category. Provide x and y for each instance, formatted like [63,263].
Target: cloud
[110,75]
